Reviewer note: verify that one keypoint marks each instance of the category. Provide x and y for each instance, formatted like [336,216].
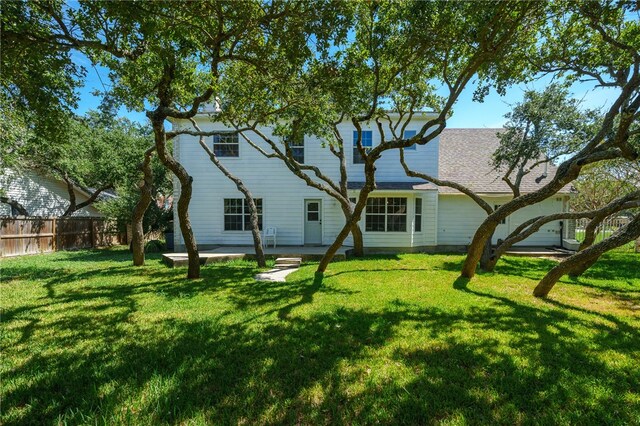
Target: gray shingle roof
[465,156]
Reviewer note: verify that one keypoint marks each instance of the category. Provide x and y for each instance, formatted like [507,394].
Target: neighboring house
[402,213]
[40,195]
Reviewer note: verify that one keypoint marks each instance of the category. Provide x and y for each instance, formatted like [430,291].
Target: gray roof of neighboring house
[465,156]
[395,186]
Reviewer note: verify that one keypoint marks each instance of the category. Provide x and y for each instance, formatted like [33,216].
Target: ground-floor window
[386,214]
[237,216]
[418,224]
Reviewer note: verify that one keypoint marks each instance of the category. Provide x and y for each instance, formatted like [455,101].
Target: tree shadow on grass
[622,266]
[306,370]
[111,366]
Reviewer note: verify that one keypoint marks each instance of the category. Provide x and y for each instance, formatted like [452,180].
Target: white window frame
[224,136]
[408,135]
[417,215]
[245,213]
[297,145]
[386,214]
[367,144]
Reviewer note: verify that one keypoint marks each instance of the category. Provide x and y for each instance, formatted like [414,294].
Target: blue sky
[467,113]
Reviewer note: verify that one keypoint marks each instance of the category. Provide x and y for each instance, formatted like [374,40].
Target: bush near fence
[30,235]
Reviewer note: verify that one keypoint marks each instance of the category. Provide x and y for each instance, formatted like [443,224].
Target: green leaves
[545,124]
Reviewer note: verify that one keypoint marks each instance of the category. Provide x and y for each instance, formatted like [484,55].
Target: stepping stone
[283,267]
[288,262]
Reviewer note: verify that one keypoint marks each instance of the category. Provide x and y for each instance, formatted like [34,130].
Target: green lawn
[88,339]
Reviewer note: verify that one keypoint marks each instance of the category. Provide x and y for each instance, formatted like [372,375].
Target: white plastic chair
[269,233]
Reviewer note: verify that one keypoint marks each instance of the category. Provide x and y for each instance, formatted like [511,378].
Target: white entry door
[313,222]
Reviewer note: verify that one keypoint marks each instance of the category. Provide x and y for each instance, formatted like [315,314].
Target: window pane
[367,143]
[357,157]
[367,138]
[226,150]
[396,205]
[312,216]
[396,223]
[233,206]
[297,141]
[226,145]
[233,222]
[418,205]
[408,134]
[298,154]
[375,205]
[313,207]
[247,222]
[374,223]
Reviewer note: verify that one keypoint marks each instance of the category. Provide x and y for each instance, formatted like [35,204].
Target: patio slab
[226,253]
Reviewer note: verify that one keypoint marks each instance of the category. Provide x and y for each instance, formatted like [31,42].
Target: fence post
[54,239]
[93,239]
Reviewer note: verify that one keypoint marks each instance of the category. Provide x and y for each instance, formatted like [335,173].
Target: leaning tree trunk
[186,190]
[589,255]
[253,209]
[337,243]
[358,241]
[487,253]
[356,232]
[478,246]
[146,195]
[352,220]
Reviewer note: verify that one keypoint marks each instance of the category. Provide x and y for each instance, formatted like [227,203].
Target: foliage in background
[156,218]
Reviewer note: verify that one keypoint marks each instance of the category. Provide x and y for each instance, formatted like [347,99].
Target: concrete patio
[226,253]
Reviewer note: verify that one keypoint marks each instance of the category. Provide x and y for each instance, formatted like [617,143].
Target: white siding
[388,167]
[459,217]
[283,194]
[40,195]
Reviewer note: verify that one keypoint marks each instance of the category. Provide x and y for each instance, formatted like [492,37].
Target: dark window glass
[374,223]
[386,214]
[376,205]
[367,143]
[226,145]
[396,214]
[237,216]
[297,148]
[397,223]
[418,227]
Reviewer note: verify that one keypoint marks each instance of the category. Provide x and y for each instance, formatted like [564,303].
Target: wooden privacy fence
[29,235]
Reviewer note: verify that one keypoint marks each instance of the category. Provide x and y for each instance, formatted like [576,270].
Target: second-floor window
[408,134]
[226,145]
[367,143]
[237,216]
[386,214]
[297,148]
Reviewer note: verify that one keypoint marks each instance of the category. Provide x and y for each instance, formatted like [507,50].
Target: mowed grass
[88,339]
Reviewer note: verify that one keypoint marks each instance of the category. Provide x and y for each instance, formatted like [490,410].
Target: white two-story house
[402,214]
